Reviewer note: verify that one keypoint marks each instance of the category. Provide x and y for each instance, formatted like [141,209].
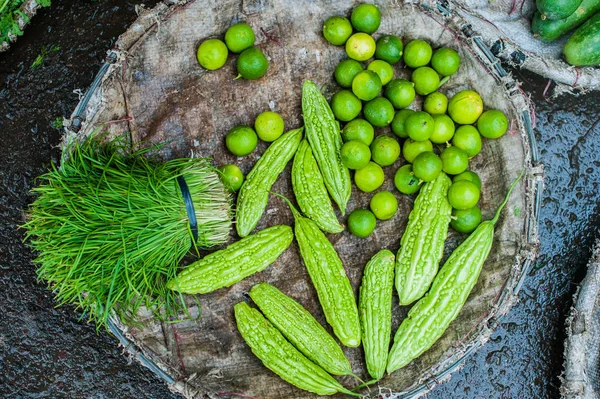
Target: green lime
[419,126]
[417,53]
[468,176]
[379,111]
[454,160]
[411,148]
[427,166]
[384,205]
[383,69]
[443,129]
[436,103]
[399,122]
[366,85]
[358,129]
[355,154]
[388,48]
[241,140]
[239,37]
[361,222]
[337,30]
[346,71]
[400,92]
[466,220]
[366,18]
[360,47]
[468,139]
[405,180]
[212,54]
[463,194]
[252,64]
[269,126]
[492,124]
[345,105]
[465,107]
[445,61]
[426,80]
[385,150]
[369,178]
[232,177]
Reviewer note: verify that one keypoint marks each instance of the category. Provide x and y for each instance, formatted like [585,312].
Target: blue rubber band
[189,206]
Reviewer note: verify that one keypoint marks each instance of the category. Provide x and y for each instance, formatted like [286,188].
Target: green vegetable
[301,329]
[430,317]
[422,245]
[323,134]
[310,190]
[548,30]
[557,9]
[239,260]
[375,307]
[583,47]
[9,17]
[254,194]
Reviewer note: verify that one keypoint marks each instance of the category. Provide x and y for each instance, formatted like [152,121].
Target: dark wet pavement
[47,352]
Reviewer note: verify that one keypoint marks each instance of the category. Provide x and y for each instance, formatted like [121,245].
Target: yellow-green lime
[426,80]
[366,18]
[445,61]
[239,37]
[454,160]
[383,69]
[400,92]
[411,149]
[466,220]
[468,139]
[384,205]
[241,140]
[436,103]
[360,46]
[369,178]
[366,85]
[405,180]
[427,166]
[358,129]
[232,177]
[443,129]
[399,122]
[355,154]
[388,48]
[337,30]
[465,107]
[379,112]
[252,64]
[269,126]
[492,124]
[419,126]
[346,71]
[345,105]
[385,150]
[361,222]
[469,176]
[417,53]
[212,54]
[463,194]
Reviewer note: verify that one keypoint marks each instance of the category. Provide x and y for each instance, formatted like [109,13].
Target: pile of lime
[239,38]
[443,136]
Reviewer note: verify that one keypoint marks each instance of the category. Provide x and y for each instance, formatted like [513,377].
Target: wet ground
[47,352]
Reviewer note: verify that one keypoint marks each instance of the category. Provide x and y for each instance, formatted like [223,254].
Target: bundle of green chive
[110,226]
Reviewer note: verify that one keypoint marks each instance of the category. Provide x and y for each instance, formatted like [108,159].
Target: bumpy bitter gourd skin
[323,133]
[254,194]
[310,190]
[375,308]
[301,329]
[279,356]
[422,245]
[239,260]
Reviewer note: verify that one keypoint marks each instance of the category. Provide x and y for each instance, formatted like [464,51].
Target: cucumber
[583,48]
[548,31]
[557,9]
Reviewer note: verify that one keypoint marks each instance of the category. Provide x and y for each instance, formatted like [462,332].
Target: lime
[345,72]
[252,64]
[379,111]
[417,53]
[212,54]
[360,47]
[269,126]
[411,148]
[355,154]
[454,160]
[445,61]
[427,166]
[419,126]
[443,129]
[383,69]
[385,150]
[399,122]
[358,129]
[436,103]
[345,105]
[384,205]
[426,80]
[465,107]
[232,177]
[369,178]
[466,220]
[389,49]
[492,124]
[366,85]
[467,138]
[400,92]
[337,30]
[463,194]
[468,176]
[405,180]
[241,140]
[366,18]
[239,37]
[361,222]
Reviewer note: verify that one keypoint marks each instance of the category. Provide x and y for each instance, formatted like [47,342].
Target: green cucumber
[583,48]
[557,9]
[548,30]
